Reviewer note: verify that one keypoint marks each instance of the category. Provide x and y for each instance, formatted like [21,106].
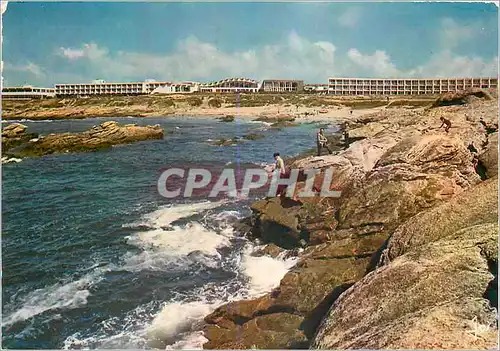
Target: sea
[93,256]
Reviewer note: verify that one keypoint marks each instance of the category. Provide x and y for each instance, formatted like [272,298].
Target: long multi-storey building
[100,87]
[231,85]
[27,92]
[282,86]
[400,86]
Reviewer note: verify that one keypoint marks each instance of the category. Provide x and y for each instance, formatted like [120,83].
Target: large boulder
[349,167]
[367,131]
[305,292]
[453,247]
[363,153]
[461,97]
[276,224]
[271,331]
[489,158]
[13,129]
[14,135]
[432,297]
[409,177]
[474,207]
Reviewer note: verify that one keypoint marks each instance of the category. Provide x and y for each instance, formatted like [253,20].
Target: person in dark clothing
[322,141]
[446,122]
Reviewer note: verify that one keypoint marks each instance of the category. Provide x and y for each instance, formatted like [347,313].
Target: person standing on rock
[279,167]
[446,122]
[279,163]
[322,141]
[345,133]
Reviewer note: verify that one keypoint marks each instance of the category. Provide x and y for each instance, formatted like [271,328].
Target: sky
[45,43]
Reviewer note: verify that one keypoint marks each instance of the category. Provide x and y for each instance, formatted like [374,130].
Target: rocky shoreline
[17,142]
[405,258]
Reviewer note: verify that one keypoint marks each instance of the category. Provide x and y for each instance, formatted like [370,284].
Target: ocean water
[93,257]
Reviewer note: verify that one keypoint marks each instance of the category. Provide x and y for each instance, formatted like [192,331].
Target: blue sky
[48,43]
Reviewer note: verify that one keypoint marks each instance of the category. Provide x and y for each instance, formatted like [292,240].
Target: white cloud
[90,51]
[453,34]
[379,63]
[446,64]
[294,57]
[350,17]
[71,54]
[193,59]
[30,68]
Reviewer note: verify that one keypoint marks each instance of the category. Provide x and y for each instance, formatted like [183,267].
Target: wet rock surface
[15,135]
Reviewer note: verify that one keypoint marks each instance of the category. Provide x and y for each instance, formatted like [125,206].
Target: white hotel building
[27,92]
[399,86]
[100,87]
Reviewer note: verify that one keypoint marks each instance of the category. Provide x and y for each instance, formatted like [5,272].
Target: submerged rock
[13,135]
[225,142]
[226,118]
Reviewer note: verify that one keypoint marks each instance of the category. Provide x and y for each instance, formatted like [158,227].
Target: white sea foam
[165,215]
[6,159]
[177,324]
[185,318]
[118,333]
[181,241]
[178,318]
[35,120]
[191,341]
[264,272]
[260,122]
[177,247]
[58,296]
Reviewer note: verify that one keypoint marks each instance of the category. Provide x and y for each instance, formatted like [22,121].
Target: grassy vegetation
[215,103]
[411,103]
[364,104]
[194,101]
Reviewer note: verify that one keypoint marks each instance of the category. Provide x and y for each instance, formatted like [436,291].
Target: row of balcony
[457,81]
[99,86]
[414,85]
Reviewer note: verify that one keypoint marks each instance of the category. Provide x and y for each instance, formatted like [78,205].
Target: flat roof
[26,87]
[283,80]
[395,78]
[111,83]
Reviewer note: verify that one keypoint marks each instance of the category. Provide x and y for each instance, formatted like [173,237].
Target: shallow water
[93,257]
